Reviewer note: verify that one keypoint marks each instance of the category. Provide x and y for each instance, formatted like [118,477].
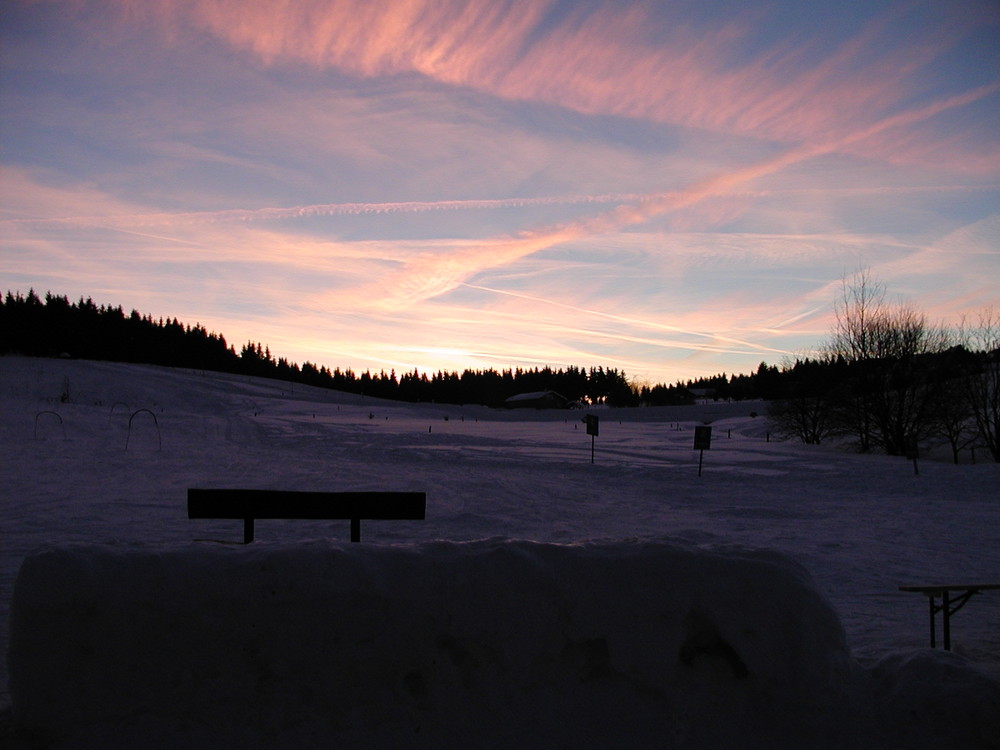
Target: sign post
[702,442]
[593,428]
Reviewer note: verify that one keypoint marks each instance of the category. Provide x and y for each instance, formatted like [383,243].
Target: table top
[941,588]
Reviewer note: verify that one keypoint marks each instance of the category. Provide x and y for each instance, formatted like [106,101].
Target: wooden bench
[949,605]
[253,504]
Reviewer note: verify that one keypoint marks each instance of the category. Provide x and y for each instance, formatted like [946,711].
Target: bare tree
[853,343]
[890,387]
[859,311]
[802,416]
[983,386]
[952,416]
[807,408]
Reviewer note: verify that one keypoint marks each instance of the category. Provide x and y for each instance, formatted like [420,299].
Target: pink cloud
[620,60]
[434,274]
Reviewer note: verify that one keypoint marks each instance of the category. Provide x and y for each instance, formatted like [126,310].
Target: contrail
[322,209]
[434,274]
[642,323]
[247,215]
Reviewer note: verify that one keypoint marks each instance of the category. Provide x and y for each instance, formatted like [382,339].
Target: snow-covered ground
[860,525]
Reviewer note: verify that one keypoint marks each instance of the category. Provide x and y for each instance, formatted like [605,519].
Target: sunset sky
[671,188]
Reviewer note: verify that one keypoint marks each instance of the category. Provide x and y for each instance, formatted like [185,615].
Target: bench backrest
[254,504]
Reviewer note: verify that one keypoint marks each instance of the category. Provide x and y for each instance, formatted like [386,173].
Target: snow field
[860,525]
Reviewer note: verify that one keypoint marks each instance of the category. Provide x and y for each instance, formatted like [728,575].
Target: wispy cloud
[434,274]
[655,63]
[695,339]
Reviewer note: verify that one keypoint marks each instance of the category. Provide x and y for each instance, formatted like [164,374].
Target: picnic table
[949,604]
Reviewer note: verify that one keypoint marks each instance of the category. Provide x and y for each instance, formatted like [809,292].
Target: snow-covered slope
[860,525]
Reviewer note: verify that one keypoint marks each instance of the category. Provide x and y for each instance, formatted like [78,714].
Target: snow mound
[490,643]
[493,643]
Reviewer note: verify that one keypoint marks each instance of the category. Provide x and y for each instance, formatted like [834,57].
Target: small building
[702,395]
[538,400]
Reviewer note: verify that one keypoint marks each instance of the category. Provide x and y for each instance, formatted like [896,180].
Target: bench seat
[252,504]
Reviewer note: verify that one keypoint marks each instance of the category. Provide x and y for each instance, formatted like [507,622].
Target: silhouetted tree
[887,396]
[806,408]
[982,386]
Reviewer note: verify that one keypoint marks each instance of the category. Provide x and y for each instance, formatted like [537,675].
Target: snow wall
[481,644]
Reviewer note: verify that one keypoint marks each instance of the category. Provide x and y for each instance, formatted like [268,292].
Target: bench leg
[247,530]
[355,529]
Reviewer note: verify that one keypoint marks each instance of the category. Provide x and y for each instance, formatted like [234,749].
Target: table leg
[946,627]
[930,598]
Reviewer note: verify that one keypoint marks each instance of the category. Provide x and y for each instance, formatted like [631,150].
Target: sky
[674,189]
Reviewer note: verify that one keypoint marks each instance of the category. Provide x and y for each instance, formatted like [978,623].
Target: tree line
[56,327]
[886,379]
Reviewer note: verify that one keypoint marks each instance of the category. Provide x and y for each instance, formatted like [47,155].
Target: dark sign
[702,438]
[592,421]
